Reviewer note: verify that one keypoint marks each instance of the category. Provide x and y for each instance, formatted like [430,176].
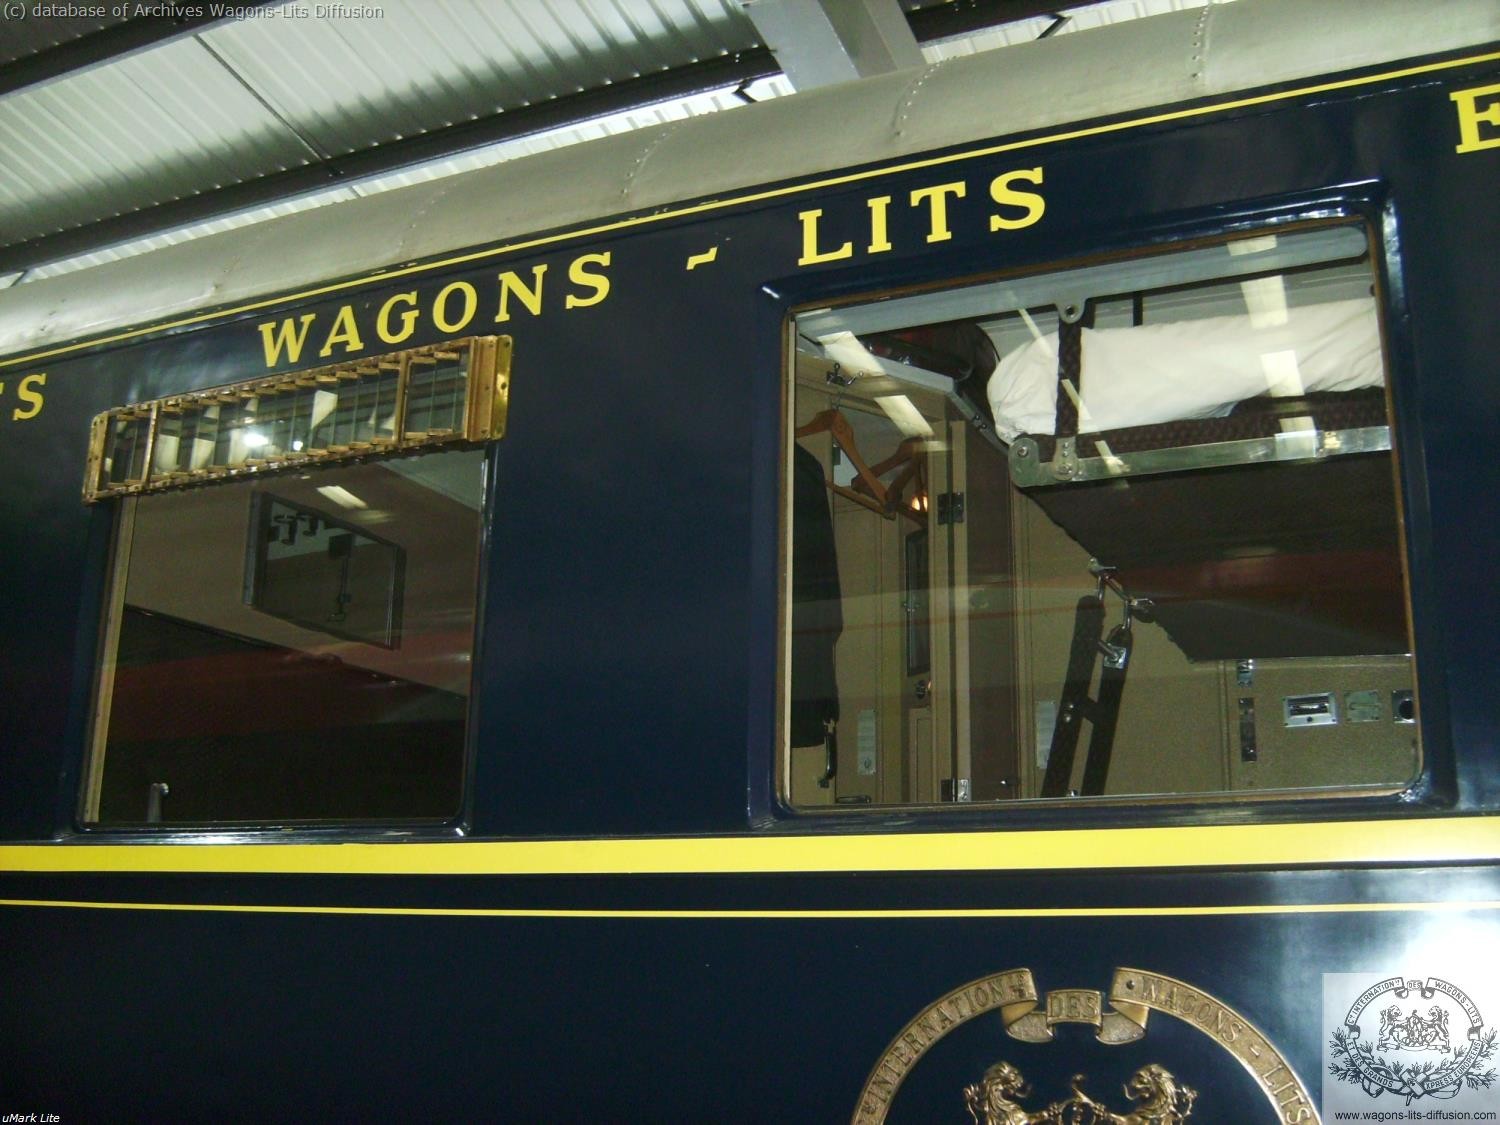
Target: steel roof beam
[821,42]
[965,17]
[107,45]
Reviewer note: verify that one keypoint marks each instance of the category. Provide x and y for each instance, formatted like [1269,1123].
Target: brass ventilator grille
[395,403]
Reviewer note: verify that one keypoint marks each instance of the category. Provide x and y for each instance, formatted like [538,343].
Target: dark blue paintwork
[626,685]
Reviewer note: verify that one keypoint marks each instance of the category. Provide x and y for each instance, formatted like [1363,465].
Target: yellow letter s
[1031,204]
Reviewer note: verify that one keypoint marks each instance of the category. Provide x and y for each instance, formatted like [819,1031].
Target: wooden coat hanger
[869,490]
[908,454]
[834,423]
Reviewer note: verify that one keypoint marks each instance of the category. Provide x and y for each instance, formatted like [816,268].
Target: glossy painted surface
[627,687]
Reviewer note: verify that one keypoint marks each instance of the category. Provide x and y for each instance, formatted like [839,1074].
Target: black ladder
[1076,705]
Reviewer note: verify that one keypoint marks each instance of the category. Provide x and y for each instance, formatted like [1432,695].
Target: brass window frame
[486,406]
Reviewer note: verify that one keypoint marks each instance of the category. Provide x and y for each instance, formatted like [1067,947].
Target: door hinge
[950,507]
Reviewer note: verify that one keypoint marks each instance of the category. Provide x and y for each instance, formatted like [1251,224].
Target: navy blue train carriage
[969,593]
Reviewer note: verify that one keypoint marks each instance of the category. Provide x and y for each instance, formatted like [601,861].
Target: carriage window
[1128,530]
[289,639]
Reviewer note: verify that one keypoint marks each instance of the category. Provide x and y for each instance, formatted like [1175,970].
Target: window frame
[1429,785]
[485,415]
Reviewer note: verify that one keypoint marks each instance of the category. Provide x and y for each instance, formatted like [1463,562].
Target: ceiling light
[340,496]
[908,419]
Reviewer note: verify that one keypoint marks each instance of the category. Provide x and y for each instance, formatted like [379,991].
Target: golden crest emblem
[1117,1017]
[1162,1100]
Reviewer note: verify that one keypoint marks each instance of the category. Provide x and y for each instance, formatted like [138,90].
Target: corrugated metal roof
[345,84]
[147,128]
[1174,59]
[275,91]
[287,88]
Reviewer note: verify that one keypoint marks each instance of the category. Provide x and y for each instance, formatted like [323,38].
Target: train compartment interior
[1123,529]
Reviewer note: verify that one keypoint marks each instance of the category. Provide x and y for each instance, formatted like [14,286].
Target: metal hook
[1108,579]
[1105,576]
[836,378]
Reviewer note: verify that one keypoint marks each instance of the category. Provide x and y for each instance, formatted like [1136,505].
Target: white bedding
[1190,368]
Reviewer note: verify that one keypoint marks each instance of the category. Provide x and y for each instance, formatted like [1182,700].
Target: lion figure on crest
[1160,1098]
[1162,1101]
[1392,1028]
[991,1100]
[1437,1028]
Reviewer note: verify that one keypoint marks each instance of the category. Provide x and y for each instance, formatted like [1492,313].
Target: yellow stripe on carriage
[1424,841]
[871,913]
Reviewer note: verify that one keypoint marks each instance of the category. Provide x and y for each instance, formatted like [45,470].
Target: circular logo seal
[1415,1039]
